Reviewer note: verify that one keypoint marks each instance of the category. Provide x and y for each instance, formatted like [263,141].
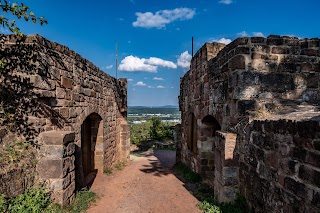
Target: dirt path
[146,185]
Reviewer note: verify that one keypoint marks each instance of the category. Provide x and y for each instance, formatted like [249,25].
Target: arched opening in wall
[92,146]
[192,136]
[209,127]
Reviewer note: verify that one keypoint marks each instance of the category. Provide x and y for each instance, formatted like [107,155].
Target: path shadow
[162,165]
[165,164]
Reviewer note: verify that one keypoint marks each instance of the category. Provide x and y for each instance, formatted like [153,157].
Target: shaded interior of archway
[209,126]
[91,147]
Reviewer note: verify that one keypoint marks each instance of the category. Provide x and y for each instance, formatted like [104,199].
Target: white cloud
[162,17]
[141,84]
[158,79]
[160,62]
[226,1]
[258,34]
[184,60]
[129,79]
[107,67]
[223,40]
[160,87]
[243,34]
[132,64]
[150,87]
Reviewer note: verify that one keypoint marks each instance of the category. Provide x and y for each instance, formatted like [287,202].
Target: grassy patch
[119,166]
[107,171]
[210,205]
[81,203]
[37,200]
[187,173]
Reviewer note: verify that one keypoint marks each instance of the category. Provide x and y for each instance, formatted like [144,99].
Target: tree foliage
[152,130]
[18,10]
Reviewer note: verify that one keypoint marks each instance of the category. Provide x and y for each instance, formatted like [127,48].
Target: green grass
[81,203]
[187,173]
[107,171]
[37,200]
[210,205]
[119,166]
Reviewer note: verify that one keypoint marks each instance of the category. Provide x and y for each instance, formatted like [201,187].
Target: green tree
[155,129]
[18,10]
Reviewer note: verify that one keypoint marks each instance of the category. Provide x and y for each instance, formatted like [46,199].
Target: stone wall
[60,90]
[57,165]
[280,166]
[228,87]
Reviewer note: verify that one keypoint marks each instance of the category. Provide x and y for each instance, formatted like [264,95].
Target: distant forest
[153,110]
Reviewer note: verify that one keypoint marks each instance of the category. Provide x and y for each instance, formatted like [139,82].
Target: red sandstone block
[66,82]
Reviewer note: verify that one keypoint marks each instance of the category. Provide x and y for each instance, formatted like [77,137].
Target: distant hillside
[153,110]
[161,107]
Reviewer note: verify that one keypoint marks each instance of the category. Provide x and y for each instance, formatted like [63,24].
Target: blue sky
[154,36]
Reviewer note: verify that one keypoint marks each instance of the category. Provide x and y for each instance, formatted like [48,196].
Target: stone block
[313,158]
[50,169]
[60,93]
[280,50]
[66,82]
[309,52]
[57,137]
[62,197]
[295,187]
[53,152]
[310,174]
[237,63]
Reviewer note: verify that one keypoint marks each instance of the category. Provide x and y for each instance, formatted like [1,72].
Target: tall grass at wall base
[210,205]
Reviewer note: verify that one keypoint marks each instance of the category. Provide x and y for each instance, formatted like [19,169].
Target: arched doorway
[209,126]
[92,144]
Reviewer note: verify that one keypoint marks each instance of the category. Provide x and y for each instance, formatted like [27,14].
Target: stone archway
[92,144]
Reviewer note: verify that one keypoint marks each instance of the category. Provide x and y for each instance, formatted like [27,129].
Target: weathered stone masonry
[80,115]
[245,109]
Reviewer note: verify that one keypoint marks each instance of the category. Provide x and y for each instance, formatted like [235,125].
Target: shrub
[33,200]
[119,166]
[107,171]
[3,203]
[210,205]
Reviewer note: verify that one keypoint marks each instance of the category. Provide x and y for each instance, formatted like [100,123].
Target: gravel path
[146,185]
